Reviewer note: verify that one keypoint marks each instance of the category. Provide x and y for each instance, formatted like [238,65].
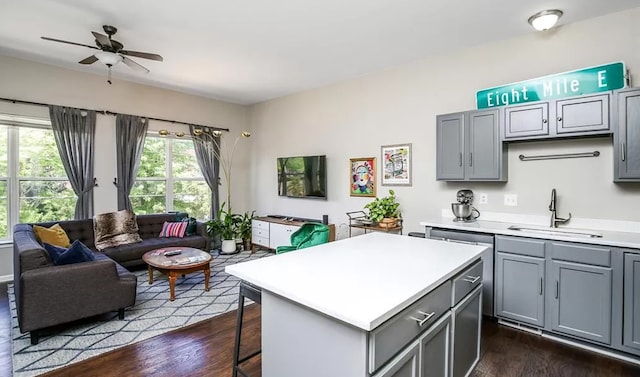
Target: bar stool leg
[236,348]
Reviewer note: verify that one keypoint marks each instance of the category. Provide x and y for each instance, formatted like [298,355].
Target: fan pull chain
[109,75]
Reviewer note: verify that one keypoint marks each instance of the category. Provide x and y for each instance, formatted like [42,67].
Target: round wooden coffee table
[188,261]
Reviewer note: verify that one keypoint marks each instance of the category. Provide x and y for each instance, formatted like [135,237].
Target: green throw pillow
[192,227]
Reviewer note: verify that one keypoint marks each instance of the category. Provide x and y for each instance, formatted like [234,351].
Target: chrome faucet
[552,207]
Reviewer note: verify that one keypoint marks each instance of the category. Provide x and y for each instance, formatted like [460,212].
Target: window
[169,179]
[33,184]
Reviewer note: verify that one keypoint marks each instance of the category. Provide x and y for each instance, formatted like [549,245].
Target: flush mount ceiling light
[545,19]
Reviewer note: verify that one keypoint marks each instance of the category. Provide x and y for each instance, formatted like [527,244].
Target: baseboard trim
[519,326]
[613,353]
[6,278]
[587,347]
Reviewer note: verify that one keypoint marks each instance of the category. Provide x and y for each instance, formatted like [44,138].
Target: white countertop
[609,238]
[363,280]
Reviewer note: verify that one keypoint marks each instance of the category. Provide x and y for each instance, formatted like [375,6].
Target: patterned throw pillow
[54,235]
[115,229]
[174,229]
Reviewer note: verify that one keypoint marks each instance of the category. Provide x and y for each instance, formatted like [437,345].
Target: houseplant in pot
[225,225]
[384,211]
[244,229]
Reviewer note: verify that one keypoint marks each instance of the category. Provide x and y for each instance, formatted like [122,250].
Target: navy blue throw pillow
[76,253]
[54,251]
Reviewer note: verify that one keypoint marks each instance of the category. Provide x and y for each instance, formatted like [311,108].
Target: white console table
[271,232]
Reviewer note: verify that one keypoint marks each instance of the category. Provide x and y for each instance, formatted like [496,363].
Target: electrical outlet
[483,198]
[511,200]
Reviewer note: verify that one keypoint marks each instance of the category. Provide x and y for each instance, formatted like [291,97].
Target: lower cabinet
[520,288]
[465,326]
[581,301]
[434,349]
[404,365]
[631,329]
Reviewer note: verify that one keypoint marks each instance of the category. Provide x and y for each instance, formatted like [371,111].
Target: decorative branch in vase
[222,152]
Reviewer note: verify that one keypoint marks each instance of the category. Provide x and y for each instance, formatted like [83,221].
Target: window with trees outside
[169,179]
[33,184]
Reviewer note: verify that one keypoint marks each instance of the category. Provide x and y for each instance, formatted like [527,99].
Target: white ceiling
[248,51]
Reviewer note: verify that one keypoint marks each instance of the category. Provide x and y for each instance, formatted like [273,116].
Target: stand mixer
[463,210]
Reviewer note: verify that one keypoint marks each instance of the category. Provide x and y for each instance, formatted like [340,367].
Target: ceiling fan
[111,51]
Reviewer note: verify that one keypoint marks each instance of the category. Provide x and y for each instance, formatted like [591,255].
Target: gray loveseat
[48,295]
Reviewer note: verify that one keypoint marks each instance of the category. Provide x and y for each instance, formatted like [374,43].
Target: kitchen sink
[556,231]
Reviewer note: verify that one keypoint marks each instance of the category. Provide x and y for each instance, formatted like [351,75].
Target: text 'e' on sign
[574,83]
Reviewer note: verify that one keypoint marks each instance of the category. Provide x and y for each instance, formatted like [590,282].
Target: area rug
[153,314]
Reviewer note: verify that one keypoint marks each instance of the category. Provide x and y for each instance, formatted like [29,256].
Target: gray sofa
[48,295]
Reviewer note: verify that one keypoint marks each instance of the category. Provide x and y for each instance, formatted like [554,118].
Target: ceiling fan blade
[90,60]
[131,64]
[102,39]
[144,55]
[67,42]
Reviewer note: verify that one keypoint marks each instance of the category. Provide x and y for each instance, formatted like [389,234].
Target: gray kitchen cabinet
[581,301]
[626,145]
[570,117]
[450,146]
[465,326]
[469,147]
[520,287]
[404,365]
[524,121]
[631,327]
[434,349]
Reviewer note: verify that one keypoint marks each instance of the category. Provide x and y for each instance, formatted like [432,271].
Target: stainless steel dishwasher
[473,238]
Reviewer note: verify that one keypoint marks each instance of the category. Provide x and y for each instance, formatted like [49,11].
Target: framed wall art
[396,165]
[363,176]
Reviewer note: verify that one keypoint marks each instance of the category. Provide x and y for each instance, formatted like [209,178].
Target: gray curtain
[206,147]
[131,131]
[74,131]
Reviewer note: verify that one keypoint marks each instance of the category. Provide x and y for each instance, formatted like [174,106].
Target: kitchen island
[367,306]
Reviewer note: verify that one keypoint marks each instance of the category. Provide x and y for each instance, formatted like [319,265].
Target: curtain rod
[106,112]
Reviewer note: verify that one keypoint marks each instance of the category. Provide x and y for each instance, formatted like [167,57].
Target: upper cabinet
[469,147]
[571,117]
[626,145]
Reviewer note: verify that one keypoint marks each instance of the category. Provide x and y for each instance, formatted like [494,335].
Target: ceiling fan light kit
[545,19]
[111,52]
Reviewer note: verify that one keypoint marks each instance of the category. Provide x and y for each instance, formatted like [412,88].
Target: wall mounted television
[302,177]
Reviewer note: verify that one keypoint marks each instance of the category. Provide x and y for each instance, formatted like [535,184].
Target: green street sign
[574,83]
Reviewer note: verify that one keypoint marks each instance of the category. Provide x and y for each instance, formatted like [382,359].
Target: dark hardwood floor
[206,349]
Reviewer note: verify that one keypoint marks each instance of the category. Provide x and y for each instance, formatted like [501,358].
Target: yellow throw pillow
[53,236]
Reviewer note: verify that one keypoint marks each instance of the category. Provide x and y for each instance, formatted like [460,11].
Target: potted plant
[244,229]
[384,211]
[225,225]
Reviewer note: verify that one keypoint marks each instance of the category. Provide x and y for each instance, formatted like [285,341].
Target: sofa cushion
[130,255]
[53,235]
[54,251]
[192,227]
[115,228]
[174,229]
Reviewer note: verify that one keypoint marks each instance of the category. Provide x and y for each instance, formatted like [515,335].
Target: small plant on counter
[381,208]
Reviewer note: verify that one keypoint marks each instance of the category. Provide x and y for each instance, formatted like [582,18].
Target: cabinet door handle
[557,288]
[544,121]
[470,159]
[471,279]
[540,286]
[559,119]
[427,316]
[623,151]
[460,156]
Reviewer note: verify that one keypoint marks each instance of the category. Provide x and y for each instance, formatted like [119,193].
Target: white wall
[26,80]
[354,118]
